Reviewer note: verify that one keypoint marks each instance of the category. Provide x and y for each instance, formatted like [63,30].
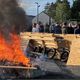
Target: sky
[31,8]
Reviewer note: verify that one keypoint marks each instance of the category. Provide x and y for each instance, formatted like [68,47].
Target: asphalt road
[55,76]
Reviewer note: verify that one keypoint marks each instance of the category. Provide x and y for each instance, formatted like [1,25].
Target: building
[44,18]
[29,22]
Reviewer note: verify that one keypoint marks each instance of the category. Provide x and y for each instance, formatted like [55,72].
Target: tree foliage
[60,11]
[63,11]
[76,9]
[50,9]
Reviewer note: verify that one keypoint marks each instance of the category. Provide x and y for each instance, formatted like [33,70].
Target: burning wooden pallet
[9,70]
[17,67]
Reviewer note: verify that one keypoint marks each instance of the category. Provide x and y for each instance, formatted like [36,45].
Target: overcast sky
[30,6]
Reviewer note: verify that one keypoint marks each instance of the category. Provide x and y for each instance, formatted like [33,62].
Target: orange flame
[12,52]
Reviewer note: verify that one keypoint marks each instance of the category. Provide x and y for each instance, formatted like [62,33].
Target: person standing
[34,28]
[41,27]
[70,29]
[38,27]
[46,28]
[51,29]
[64,28]
[77,30]
[57,29]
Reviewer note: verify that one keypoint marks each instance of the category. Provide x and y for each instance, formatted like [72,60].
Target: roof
[40,14]
[43,12]
[30,16]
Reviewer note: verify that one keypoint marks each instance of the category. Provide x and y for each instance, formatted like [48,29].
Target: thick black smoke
[11,15]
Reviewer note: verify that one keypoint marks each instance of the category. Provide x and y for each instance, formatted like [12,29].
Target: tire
[51,53]
[64,56]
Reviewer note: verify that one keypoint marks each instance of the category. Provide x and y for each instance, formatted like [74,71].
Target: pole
[37,11]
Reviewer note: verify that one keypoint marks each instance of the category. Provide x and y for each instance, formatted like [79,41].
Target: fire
[12,51]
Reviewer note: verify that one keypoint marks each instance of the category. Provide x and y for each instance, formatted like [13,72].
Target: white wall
[44,18]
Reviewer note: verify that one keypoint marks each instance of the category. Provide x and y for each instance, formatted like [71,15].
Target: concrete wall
[29,22]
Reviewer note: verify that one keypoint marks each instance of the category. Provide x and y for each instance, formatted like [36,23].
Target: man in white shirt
[35,27]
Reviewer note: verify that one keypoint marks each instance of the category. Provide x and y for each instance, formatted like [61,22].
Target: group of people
[65,28]
[37,27]
[56,28]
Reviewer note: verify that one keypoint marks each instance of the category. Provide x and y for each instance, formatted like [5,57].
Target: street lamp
[37,11]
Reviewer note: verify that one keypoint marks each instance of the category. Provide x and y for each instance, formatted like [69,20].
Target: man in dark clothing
[46,28]
[41,28]
[57,29]
[77,31]
[52,28]
[64,28]
[70,29]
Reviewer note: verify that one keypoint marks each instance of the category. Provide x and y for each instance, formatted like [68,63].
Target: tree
[62,11]
[75,10]
[50,9]
[47,7]
[58,1]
